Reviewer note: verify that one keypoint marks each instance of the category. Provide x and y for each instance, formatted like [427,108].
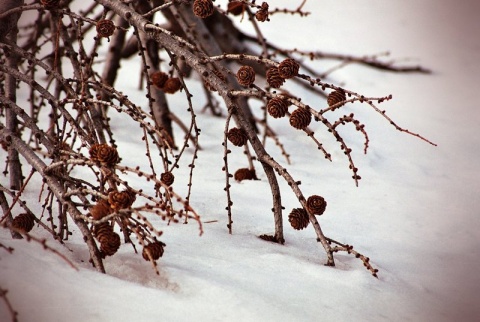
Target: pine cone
[236,7]
[110,244]
[298,218]
[203,8]
[245,174]
[273,78]
[105,28]
[237,136]
[335,97]
[300,118]
[246,76]
[50,4]
[102,230]
[121,200]
[277,107]
[262,13]
[172,85]
[158,79]
[154,249]
[100,209]
[167,178]
[288,68]
[104,154]
[316,204]
[23,222]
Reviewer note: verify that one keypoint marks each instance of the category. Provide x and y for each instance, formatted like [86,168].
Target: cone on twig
[300,118]
[236,8]
[167,178]
[172,85]
[105,28]
[23,223]
[158,79]
[277,107]
[155,250]
[336,97]
[203,8]
[273,78]
[316,204]
[237,136]
[288,68]
[245,174]
[262,13]
[100,209]
[121,199]
[104,154]
[246,76]
[298,218]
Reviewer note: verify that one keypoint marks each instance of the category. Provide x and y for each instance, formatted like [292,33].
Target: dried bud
[236,7]
[50,4]
[100,209]
[203,8]
[105,28]
[23,223]
[167,178]
[262,13]
[335,97]
[104,154]
[298,218]
[237,136]
[172,85]
[288,68]
[300,118]
[121,200]
[277,107]
[273,78]
[245,174]
[155,250]
[158,79]
[316,204]
[246,76]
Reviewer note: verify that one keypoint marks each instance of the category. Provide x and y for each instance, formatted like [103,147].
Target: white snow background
[415,213]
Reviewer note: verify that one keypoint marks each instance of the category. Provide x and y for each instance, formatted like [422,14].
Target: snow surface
[415,214]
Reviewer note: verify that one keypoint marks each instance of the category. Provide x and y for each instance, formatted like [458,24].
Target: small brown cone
[246,76]
[245,174]
[104,154]
[100,209]
[236,8]
[203,8]
[167,178]
[316,204]
[288,68]
[155,250]
[300,118]
[105,28]
[172,85]
[273,78]
[277,107]
[298,218]
[237,136]
[23,223]
[336,97]
[121,199]
[110,244]
[158,79]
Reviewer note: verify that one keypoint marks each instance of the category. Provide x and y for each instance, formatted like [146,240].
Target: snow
[415,214]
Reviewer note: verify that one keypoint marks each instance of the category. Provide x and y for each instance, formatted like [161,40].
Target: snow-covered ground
[415,214]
